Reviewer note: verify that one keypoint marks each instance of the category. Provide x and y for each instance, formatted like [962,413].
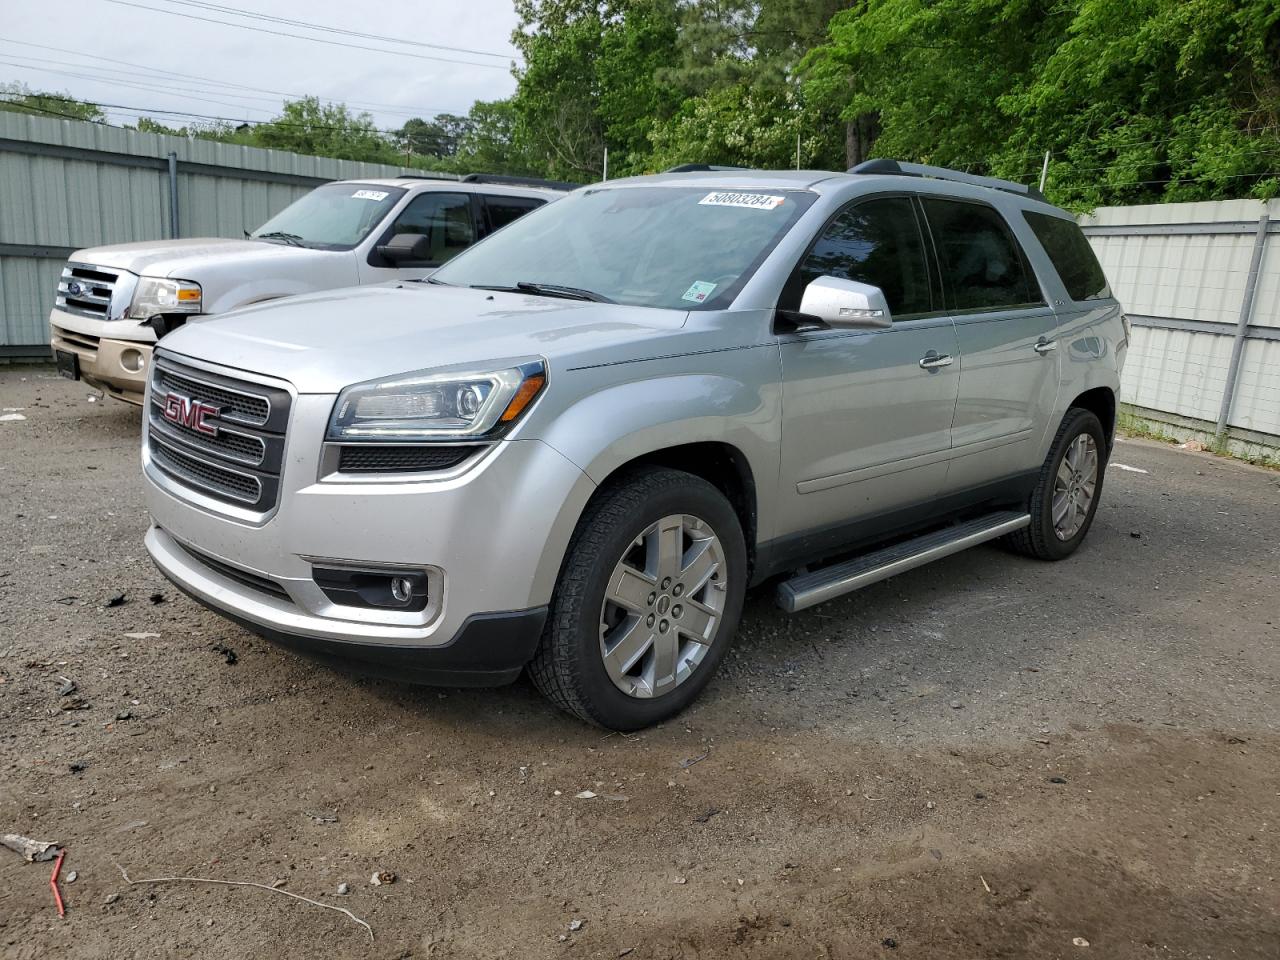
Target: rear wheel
[647,602]
[1065,498]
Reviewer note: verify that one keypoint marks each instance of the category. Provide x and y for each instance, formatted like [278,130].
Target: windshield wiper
[292,239]
[544,290]
[558,290]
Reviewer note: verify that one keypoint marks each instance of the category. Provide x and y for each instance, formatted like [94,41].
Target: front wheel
[1065,498]
[648,599]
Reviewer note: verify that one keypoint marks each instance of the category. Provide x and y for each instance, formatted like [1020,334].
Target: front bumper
[114,354]
[490,536]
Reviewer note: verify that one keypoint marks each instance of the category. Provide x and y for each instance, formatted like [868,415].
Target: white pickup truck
[114,302]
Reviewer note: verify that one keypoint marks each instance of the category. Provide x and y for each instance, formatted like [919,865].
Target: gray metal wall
[1182,272]
[67,184]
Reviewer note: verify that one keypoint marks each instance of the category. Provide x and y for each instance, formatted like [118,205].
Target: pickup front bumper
[114,355]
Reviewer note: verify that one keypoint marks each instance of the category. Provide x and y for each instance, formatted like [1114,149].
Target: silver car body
[840,436]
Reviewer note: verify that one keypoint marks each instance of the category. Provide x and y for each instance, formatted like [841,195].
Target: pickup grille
[220,436]
[87,291]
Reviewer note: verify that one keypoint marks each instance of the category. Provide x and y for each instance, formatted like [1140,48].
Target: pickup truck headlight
[436,406]
[155,295]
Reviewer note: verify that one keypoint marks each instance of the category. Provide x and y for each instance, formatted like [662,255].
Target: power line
[294,36]
[364,105]
[150,111]
[341,31]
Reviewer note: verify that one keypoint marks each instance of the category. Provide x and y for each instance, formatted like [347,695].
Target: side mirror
[407,248]
[846,303]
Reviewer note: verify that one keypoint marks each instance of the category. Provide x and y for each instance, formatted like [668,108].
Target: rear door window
[983,267]
[444,218]
[876,242]
[1070,254]
[502,210]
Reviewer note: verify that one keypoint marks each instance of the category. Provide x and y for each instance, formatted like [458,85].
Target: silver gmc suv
[575,446]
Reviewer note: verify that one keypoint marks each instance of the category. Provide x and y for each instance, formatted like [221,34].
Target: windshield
[684,248]
[335,216]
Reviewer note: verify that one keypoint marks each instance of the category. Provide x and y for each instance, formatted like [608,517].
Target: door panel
[1007,394]
[1008,370]
[865,429]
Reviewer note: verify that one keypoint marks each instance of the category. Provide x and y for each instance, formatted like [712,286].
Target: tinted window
[982,265]
[502,210]
[876,242]
[1070,254]
[445,218]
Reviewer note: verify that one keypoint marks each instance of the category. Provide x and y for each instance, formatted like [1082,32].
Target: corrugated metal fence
[67,184]
[1201,284]
[1181,270]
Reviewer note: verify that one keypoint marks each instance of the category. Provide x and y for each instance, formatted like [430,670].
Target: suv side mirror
[407,248]
[846,303]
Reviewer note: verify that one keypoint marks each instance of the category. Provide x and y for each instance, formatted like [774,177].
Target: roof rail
[426,176]
[519,181]
[897,168]
[700,168]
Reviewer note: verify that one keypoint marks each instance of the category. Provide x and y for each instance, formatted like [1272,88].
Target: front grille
[407,459]
[87,290]
[209,477]
[250,408]
[198,433]
[244,577]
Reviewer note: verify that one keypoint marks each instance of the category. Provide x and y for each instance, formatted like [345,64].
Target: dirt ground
[988,757]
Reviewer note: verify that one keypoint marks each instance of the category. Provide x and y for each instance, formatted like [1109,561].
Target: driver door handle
[1045,346]
[932,361]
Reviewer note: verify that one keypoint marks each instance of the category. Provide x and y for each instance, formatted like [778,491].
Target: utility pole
[797,150]
[1044,171]
[606,164]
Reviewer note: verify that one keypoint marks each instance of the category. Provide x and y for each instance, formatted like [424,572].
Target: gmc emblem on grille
[192,414]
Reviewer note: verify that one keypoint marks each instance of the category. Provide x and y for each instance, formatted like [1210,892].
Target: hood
[189,259]
[326,341]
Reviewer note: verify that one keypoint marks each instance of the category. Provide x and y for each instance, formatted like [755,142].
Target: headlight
[155,295]
[436,406]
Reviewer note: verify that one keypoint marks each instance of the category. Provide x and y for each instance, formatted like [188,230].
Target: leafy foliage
[19,98]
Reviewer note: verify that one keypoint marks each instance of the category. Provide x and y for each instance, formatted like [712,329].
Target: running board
[809,589]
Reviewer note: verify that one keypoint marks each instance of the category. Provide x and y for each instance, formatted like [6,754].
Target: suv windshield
[676,247]
[335,216]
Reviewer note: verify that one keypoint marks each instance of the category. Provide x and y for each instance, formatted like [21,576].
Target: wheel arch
[1100,401]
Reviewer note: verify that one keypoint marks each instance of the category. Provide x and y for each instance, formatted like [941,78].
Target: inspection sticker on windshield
[756,201]
[699,291]
[370,195]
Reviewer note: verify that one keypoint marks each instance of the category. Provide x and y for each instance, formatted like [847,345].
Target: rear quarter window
[1071,256]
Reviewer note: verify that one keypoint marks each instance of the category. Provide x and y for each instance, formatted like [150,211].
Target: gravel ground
[988,757]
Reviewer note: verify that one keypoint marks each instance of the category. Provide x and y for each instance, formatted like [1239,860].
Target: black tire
[568,667]
[1039,539]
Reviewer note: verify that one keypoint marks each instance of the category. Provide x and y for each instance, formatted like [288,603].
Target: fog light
[372,587]
[131,360]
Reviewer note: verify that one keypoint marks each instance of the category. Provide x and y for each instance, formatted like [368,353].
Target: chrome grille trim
[102,293]
[241,462]
[206,475]
[246,449]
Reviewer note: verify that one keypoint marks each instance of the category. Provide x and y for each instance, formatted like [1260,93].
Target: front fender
[731,397]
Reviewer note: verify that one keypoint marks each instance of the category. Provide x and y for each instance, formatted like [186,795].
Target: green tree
[19,98]
[325,130]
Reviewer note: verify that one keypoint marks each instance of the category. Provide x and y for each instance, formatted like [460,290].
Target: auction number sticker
[699,292]
[370,195]
[754,201]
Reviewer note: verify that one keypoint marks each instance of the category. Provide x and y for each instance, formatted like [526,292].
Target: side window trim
[1040,304]
[938,307]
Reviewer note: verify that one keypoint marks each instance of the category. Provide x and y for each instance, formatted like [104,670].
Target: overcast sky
[143,43]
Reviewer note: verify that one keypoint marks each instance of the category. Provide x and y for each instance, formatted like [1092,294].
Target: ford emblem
[74,288]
